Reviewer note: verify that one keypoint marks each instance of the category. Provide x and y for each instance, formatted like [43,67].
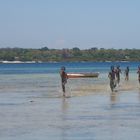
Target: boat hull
[83,75]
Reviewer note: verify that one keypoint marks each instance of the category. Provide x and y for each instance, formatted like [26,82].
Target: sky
[70,23]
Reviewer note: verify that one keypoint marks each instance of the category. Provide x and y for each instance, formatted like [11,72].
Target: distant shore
[21,55]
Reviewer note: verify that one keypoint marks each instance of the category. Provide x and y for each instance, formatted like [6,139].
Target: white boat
[83,75]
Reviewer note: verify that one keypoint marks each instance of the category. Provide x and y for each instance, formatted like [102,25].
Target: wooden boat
[83,75]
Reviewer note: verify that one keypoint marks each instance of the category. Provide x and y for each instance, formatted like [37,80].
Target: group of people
[114,76]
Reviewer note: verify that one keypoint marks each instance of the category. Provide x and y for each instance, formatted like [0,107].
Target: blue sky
[70,23]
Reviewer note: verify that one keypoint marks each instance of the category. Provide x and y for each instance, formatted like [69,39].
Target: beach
[32,108]
[69,70]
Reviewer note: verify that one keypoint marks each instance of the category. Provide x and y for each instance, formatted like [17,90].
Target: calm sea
[46,68]
[32,107]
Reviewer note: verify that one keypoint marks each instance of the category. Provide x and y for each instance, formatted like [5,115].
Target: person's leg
[111,85]
[126,77]
[118,80]
[63,88]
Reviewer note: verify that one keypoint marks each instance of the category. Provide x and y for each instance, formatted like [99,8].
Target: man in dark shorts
[64,78]
[111,76]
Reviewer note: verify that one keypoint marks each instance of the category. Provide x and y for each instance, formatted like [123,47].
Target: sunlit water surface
[32,108]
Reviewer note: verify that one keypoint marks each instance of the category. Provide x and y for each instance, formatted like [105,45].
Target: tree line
[75,54]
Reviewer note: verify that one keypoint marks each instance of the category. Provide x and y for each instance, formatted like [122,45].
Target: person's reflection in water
[113,98]
[64,107]
[113,115]
[139,95]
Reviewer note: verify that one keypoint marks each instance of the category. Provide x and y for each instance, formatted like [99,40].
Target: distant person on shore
[126,73]
[64,78]
[138,72]
[111,76]
[117,72]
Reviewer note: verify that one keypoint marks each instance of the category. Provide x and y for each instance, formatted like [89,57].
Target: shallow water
[88,117]
[32,108]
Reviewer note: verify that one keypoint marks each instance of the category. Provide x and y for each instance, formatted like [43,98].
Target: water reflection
[65,106]
[139,94]
[113,98]
[113,115]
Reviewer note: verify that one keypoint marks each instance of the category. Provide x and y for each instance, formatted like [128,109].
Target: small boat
[83,75]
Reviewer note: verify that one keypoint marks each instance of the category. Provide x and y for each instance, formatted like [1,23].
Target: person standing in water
[138,72]
[127,73]
[64,78]
[111,76]
[118,71]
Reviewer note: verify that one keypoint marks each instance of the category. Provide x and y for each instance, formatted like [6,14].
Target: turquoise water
[32,107]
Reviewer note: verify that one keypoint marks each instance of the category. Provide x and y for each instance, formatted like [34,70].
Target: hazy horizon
[67,24]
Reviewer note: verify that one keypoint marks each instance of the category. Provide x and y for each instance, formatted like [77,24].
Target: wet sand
[92,112]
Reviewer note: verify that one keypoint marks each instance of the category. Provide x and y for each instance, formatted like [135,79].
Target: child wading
[111,76]
[117,72]
[64,78]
